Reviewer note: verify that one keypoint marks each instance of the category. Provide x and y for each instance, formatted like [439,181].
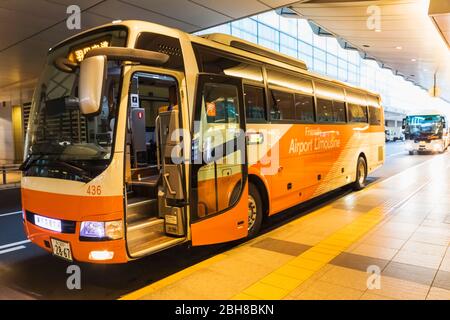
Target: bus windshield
[424,125]
[58,131]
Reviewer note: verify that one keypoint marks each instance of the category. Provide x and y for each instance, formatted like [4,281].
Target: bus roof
[430,112]
[223,42]
[233,44]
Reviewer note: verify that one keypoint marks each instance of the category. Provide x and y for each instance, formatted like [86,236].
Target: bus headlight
[110,230]
[114,229]
[437,146]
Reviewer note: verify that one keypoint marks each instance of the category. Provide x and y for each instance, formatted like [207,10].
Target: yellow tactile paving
[294,271]
[307,264]
[315,258]
[281,281]
[266,291]
[172,278]
[243,296]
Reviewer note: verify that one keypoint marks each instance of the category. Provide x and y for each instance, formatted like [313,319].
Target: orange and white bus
[143,137]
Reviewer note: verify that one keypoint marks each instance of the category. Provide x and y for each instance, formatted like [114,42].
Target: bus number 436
[94,190]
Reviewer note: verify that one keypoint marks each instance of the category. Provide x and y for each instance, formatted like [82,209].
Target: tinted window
[164,44]
[357,113]
[288,80]
[281,105]
[375,116]
[339,111]
[324,110]
[254,104]
[304,108]
[218,62]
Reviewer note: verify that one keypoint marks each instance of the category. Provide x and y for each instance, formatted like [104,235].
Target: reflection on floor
[398,228]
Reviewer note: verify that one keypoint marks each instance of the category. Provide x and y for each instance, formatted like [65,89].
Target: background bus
[426,132]
[142,137]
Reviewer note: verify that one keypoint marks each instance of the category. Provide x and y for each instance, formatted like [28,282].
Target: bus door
[219,193]
[154,170]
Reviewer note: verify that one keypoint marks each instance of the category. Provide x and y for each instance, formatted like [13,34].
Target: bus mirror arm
[130,54]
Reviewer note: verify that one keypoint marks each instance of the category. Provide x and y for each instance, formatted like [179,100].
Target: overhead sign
[78,53]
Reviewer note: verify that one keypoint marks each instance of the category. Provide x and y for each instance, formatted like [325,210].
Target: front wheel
[411,153]
[361,174]
[255,212]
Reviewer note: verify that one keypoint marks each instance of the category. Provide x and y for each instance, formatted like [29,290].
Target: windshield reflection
[59,135]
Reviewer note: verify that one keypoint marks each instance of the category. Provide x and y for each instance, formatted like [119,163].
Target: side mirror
[91,84]
[404,123]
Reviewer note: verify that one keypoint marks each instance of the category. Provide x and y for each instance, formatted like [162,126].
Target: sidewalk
[399,227]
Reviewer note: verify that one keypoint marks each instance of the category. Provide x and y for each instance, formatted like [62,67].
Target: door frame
[129,72]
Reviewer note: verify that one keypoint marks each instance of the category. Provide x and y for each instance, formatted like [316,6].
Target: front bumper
[80,249]
[424,146]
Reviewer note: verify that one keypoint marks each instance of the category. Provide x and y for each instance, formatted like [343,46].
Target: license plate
[47,223]
[61,249]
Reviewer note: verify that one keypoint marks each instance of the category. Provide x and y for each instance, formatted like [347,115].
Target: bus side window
[304,108]
[282,105]
[357,113]
[255,109]
[339,111]
[374,116]
[324,110]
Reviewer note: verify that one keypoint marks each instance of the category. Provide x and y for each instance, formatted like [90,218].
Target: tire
[254,202]
[411,153]
[361,174]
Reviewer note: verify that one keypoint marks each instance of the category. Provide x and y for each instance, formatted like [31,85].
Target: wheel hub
[362,173]
[252,210]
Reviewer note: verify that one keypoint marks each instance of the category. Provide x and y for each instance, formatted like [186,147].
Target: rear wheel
[254,210]
[361,174]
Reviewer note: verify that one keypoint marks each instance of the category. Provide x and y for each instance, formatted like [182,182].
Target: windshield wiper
[83,173]
[29,161]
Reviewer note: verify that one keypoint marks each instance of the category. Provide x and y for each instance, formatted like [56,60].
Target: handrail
[6,168]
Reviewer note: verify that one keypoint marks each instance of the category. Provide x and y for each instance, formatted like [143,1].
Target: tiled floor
[399,227]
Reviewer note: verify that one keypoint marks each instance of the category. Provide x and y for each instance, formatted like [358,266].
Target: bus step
[156,245]
[152,224]
[142,236]
[141,208]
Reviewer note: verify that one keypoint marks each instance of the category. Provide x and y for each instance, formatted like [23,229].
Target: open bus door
[219,189]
